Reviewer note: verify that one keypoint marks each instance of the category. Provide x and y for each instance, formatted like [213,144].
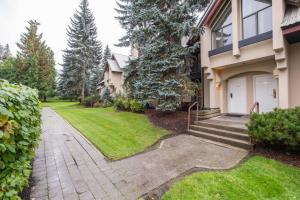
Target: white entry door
[266,92]
[237,95]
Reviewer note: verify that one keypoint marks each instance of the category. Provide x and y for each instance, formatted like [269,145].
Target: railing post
[189,113]
[197,112]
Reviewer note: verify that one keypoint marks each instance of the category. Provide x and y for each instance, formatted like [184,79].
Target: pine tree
[84,52]
[157,27]
[35,65]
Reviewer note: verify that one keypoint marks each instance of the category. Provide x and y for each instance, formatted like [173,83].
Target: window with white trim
[257,17]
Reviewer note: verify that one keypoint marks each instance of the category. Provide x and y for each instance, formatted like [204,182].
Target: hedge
[278,128]
[20,129]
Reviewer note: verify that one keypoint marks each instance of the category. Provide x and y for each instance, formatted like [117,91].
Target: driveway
[68,166]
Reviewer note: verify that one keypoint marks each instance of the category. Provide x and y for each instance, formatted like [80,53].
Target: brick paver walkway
[67,166]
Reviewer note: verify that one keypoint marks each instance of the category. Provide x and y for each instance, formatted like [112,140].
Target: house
[114,74]
[250,55]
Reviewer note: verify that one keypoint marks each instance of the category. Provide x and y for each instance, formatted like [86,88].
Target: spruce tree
[68,86]
[4,52]
[106,55]
[84,52]
[157,28]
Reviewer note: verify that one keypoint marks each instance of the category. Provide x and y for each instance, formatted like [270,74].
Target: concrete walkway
[67,166]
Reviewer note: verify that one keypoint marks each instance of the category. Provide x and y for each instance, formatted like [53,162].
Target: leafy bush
[20,130]
[125,104]
[136,106]
[280,128]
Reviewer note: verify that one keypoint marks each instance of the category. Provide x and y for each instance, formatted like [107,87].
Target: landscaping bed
[258,178]
[290,158]
[175,122]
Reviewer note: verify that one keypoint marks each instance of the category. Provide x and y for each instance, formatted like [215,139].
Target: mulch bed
[175,121]
[25,195]
[290,158]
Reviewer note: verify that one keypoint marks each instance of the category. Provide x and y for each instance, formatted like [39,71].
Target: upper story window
[222,32]
[257,17]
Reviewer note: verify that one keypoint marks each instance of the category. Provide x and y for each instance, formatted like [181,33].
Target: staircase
[221,129]
[206,114]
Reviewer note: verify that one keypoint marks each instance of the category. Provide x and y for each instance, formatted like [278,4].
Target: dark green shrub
[91,100]
[136,106]
[20,130]
[280,127]
[119,102]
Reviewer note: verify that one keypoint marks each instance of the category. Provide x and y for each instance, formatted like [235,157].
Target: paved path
[68,166]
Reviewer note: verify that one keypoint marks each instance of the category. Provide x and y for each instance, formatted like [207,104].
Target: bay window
[257,17]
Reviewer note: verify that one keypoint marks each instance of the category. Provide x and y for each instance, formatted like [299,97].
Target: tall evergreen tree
[68,86]
[4,52]
[84,51]
[35,65]
[157,27]
[106,55]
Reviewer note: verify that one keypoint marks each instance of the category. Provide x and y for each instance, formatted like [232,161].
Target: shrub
[125,104]
[91,100]
[20,130]
[106,104]
[136,106]
[280,128]
[119,102]
[106,96]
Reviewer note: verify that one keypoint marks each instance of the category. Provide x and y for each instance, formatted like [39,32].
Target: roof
[292,17]
[122,60]
[294,2]
[118,62]
[113,65]
[209,12]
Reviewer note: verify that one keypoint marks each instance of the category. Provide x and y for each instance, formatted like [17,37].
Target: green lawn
[116,134]
[258,178]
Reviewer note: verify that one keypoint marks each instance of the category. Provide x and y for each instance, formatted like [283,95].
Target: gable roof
[118,62]
[209,12]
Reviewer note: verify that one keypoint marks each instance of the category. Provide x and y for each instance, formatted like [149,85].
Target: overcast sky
[54,17]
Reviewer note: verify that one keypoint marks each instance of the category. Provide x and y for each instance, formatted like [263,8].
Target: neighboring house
[250,52]
[114,74]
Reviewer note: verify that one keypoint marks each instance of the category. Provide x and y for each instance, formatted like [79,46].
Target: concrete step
[222,132]
[225,140]
[204,117]
[206,112]
[223,126]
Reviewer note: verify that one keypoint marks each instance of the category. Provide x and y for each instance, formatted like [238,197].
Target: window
[222,32]
[257,17]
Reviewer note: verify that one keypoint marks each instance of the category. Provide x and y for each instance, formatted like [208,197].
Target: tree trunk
[82,92]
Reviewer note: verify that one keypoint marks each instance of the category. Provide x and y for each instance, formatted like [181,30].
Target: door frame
[254,87]
[228,94]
